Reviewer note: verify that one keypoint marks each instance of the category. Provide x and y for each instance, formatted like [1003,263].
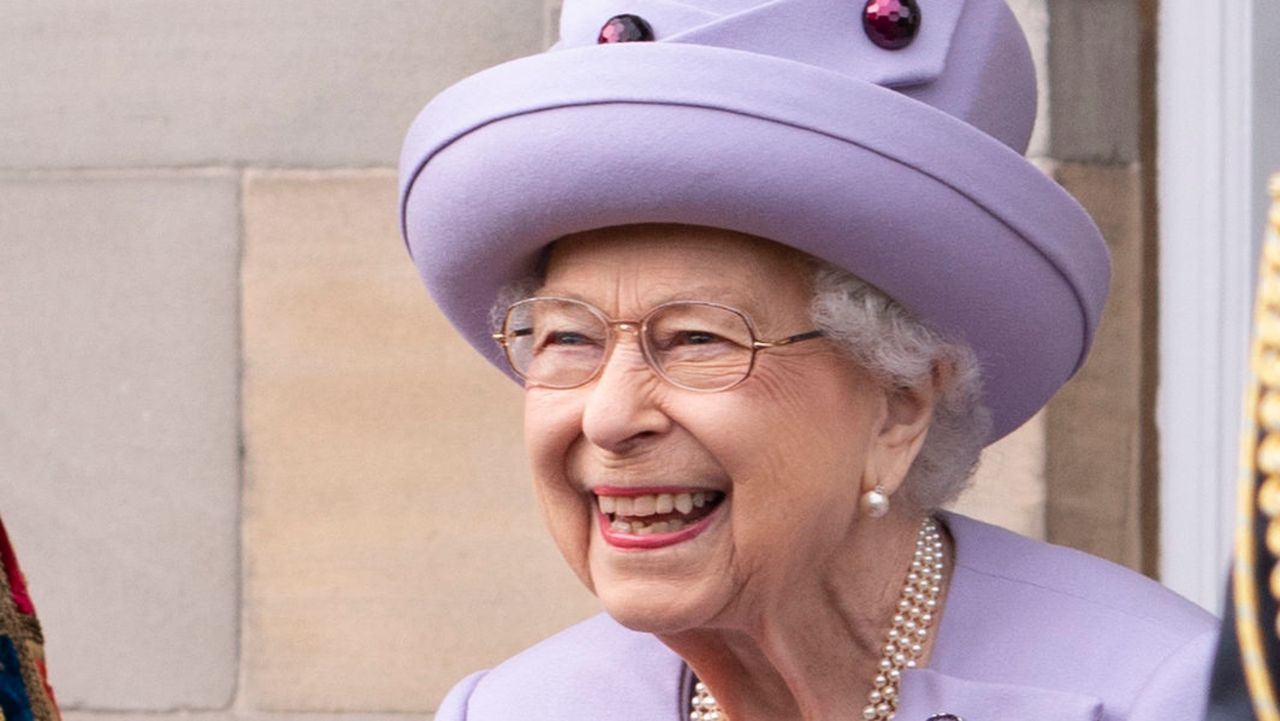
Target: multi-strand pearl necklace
[904,644]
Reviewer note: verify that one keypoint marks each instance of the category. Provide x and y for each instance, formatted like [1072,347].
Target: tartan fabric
[24,689]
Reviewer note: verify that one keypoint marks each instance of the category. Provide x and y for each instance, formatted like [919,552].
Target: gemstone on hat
[625,28]
[891,24]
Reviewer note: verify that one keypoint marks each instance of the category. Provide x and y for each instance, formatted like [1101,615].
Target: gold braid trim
[1260,473]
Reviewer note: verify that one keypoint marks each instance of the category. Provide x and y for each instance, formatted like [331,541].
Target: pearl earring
[875,502]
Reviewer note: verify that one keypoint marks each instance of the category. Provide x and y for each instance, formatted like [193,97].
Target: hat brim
[951,223]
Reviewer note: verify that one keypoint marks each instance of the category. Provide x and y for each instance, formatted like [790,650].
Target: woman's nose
[621,410]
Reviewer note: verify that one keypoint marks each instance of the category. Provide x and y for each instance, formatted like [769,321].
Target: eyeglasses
[563,343]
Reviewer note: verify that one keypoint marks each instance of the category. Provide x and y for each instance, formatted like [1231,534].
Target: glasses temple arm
[761,344]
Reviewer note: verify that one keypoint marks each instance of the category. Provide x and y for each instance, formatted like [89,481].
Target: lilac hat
[892,150]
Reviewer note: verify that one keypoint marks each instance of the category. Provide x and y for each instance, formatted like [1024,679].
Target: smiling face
[757,486]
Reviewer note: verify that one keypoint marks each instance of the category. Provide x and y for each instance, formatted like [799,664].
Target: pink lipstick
[646,518]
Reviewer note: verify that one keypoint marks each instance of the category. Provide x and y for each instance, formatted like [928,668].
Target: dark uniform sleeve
[1246,669]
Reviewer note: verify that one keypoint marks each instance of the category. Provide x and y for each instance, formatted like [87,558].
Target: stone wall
[251,471]
[1102,460]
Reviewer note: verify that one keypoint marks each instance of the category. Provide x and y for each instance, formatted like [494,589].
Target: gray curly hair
[900,351]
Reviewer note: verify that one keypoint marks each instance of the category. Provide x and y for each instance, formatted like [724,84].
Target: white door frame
[1207,210]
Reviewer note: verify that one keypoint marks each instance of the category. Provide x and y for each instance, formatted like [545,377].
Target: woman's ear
[909,413]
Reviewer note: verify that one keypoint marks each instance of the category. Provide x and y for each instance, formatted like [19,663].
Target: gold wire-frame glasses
[563,343]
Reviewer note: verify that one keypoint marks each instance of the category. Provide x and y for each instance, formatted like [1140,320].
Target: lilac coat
[1029,631]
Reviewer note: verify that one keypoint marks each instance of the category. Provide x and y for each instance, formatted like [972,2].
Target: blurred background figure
[24,688]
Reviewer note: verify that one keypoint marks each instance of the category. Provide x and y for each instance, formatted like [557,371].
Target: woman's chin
[655,607]
[659,584]
[650,620]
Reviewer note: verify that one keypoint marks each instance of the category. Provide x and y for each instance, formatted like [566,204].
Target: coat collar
[929,694]
[933,693]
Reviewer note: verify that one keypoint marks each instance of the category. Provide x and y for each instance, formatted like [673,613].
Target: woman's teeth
[651,504]
[640,528]
[635,515]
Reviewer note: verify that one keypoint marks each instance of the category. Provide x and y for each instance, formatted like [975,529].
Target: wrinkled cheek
[552,423]
[777,540]
[568,517]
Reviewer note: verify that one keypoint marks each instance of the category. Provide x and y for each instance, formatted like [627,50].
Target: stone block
[392,541]
[1096,422]
[1009,484]
[120,446]
[1033,16]
[1095,51]
[93,83]
[552,25]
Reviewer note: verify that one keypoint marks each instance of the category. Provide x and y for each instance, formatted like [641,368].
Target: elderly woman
[772,273]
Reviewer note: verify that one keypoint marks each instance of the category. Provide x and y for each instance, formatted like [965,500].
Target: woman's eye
[567,338]
[695,337]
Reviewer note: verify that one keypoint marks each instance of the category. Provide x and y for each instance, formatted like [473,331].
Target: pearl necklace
[904,644]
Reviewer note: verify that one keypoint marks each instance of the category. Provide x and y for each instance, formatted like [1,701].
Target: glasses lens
[555,343]
[700,346]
